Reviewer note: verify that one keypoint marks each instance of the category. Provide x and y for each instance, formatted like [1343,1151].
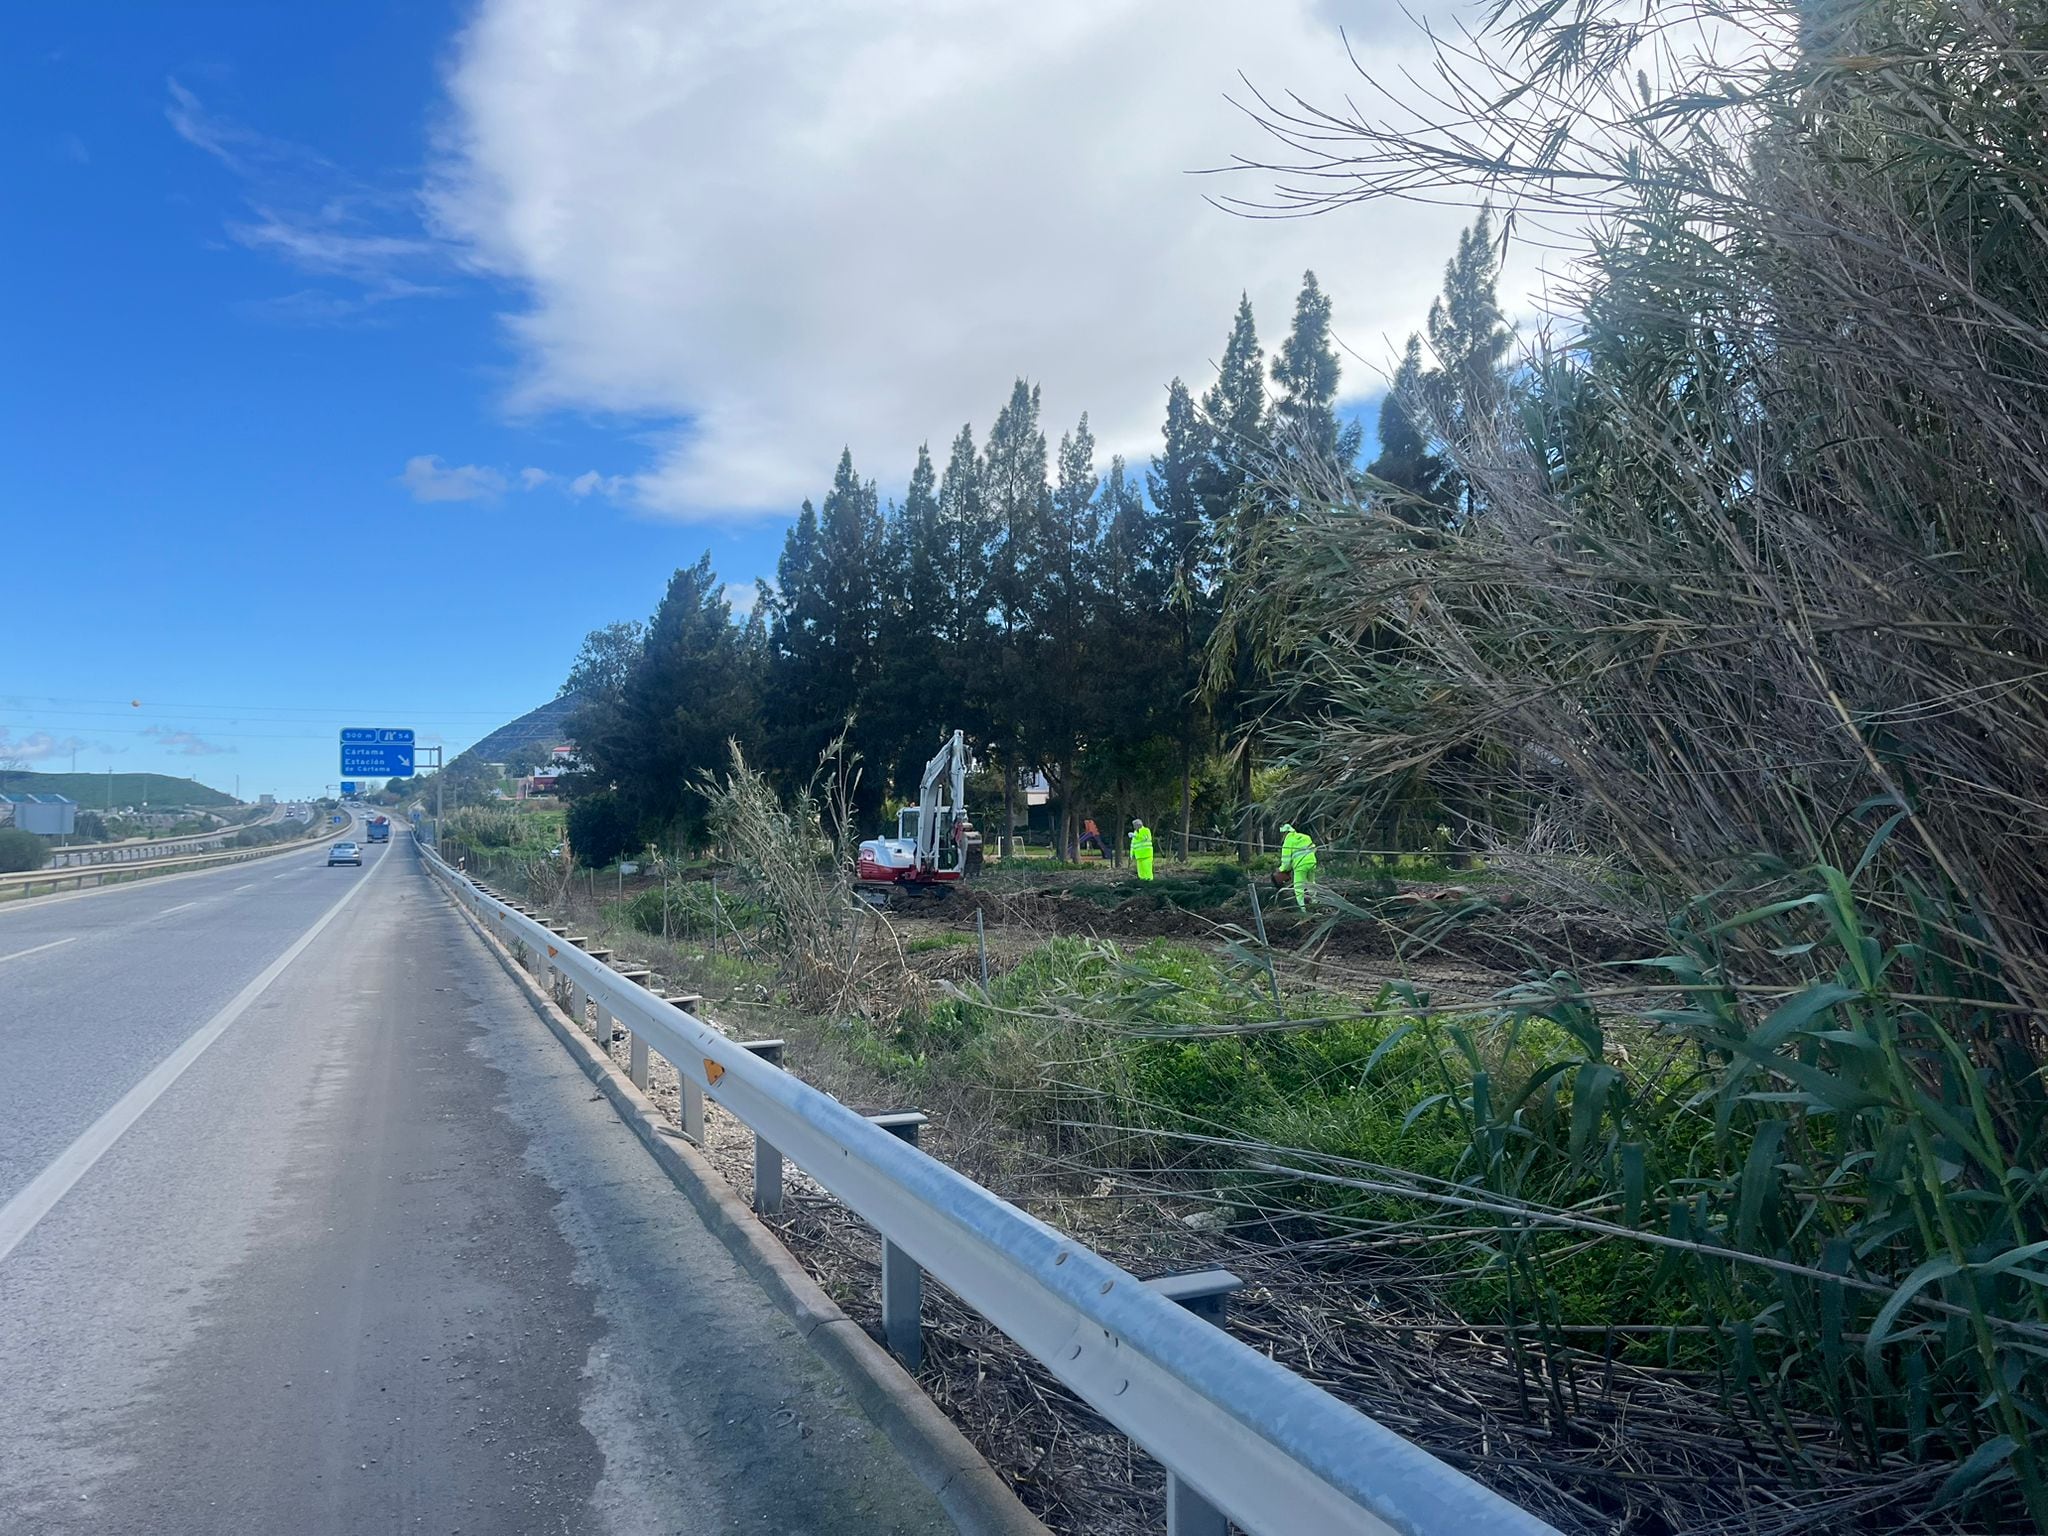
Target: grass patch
[691,910]
[926,943]
[1174,1058]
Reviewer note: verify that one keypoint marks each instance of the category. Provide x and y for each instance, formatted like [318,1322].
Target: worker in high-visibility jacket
[1141,847]
[1298,854]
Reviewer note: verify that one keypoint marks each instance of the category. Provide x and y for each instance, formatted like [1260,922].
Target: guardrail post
[902,1278]
[691,1097]
[1206,1293]
[599,1025]
[767,1159]
[636,1043]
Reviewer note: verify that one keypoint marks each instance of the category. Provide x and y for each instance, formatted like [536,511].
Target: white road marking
[181,906]
[39,948]
[18,1217]
[286,874]
[249,887]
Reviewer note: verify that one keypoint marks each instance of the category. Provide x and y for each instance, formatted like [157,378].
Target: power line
[124,707]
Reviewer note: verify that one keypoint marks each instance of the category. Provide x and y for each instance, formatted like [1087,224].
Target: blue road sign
[348,786]
[372,752]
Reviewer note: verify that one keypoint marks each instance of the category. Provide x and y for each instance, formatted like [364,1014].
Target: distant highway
[307,1224]
[80,854]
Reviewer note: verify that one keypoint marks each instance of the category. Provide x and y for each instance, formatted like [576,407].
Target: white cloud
[430,480]
[590,482]
[743,596]
[184,743]
[785,227]
[316,217]
[39,746]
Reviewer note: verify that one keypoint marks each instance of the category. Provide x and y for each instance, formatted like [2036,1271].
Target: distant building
[546,775]
[266,799]
[49,815]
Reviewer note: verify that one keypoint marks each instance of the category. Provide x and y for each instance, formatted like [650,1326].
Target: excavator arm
[941,795]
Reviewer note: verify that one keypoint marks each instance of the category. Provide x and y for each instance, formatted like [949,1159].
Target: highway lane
[99,988]
[379,1260]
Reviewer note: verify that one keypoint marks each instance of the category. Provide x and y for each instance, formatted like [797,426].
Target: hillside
[535,731]
[95,791]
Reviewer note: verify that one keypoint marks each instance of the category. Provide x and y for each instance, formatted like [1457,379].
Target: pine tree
[1060,580]
[1471,341]
[1405,465]
[1014,497]
[695,685]
[1234,499]
[825,632]
[910,597]
[1236,423]
[965,536]
[1134,572]
[1186,556]
[1305,426]
[607,657]
[920,554]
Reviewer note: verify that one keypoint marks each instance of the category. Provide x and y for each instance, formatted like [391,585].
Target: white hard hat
[1286,826]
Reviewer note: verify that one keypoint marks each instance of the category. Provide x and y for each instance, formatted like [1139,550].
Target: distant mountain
[533,732]
[97,791]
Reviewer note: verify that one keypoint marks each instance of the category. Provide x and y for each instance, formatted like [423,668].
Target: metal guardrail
[1251,1439]
[120,871]
[144,850]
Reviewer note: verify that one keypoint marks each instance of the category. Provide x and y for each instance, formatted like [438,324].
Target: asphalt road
[307,1224]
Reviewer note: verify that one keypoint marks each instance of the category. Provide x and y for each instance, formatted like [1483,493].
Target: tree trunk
[1009,800]
[1187,797]
[1070,818]
[1061,821]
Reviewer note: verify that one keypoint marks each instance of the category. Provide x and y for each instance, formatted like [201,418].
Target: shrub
[21,851]
[694,909]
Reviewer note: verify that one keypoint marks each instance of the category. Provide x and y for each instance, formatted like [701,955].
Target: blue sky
[210,481]
[265,258]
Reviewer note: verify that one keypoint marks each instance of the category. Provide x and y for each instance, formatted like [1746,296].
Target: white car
[344,853]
